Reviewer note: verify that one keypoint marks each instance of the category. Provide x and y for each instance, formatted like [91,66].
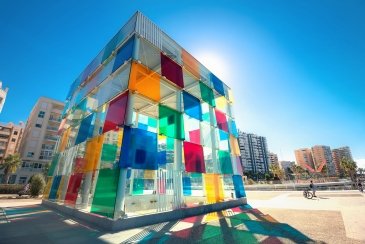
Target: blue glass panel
[109,48]
[142,126]
[56,183]
[233,128]
[192,106]
[217,84]
[123,54]
[162,157]
[223,135]
[139,149]
[86,129]
[238,186]
[187,186]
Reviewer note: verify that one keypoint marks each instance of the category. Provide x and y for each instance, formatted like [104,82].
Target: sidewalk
[270,217]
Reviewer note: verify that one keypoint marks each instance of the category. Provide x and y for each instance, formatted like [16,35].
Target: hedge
[10,188]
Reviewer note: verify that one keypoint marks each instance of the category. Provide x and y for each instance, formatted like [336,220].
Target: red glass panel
[73,189]
[221,120]
[116,113]
[172,71]
[194,158]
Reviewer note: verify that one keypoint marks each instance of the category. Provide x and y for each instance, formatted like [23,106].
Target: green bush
[10,188]
[37,185]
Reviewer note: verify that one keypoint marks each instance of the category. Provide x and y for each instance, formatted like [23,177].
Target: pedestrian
[313,187]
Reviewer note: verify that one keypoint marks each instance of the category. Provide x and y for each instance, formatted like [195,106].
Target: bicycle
[307,194]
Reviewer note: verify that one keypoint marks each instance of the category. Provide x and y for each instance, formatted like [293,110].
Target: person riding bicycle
[313,188]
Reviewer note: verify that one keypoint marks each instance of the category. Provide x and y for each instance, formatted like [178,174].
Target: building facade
[273,158]
[286,165]
[146,128]
[304,159]
[322,157]
[254,153]
[3,93]
[338,154]
[39,138]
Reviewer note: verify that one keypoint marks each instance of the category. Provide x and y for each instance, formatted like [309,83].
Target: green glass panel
[152,122]
[225,162]
[170,143]
[207,94]
[171,123]
[53,164]
[138,185]
[105,192]
[109,152]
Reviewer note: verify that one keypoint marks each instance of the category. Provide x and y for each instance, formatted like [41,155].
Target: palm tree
[10,165]
[349,168]
[277,171]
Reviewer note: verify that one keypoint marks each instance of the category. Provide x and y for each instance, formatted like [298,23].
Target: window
[15,133]
[22,180]
[30,154]
[13,139]
[38,125]
[41,114]
[44,105]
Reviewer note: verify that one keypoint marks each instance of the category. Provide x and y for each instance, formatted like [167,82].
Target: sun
[215,62]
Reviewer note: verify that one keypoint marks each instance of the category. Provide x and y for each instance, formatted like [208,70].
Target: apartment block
[338,154]
[39,138]
[304,159]
[273,158]
[3,93]
[322,156]
[254,152]
[10,137]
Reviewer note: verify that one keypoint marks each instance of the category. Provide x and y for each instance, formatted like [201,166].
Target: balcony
[51,138]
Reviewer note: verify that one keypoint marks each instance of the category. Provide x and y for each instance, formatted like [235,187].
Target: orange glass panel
[120,137]
[64,140]
[213,188]
[60,187]
[149,174]
[235,149]
[47,189]
[145,82]
[92,155]
[190,63]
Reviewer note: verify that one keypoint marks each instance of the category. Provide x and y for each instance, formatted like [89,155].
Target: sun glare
[215,63]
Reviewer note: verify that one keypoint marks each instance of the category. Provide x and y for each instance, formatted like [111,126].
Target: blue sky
[296,67]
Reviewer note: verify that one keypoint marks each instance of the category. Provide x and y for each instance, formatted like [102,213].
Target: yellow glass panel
[64,140]
[190,63]
[235,149]
[92,154]
[47,189]
[145,81]
[221,103]
[149,174]
[213,188]
[120,137]
[230,95]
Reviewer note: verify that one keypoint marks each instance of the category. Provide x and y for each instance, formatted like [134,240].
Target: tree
[297,170]
[277,171]
[349,168]
[10,165]
[361,171]
[37,185]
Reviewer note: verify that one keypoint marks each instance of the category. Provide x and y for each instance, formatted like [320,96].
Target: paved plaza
[269,217]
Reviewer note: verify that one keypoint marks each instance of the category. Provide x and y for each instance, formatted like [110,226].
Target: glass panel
[221,120]
[233,128]
[105,192]
[225,162]
[139,149]
[238,186]
[54,188]
[221,104]
[213,188]
[145,81]
[86,129]
[170,123]
[186,186]
[99,120]
[217,84]
[64,140]
[116,113]
[47,189]
[207,94]
[73,189]
[123,54]
[223,140]
[192,106]
[194,158]
[92,154]
[192,129]
[54,164]
[149,55]
[138,186]
[235,149]
[190,63]
[172,71]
